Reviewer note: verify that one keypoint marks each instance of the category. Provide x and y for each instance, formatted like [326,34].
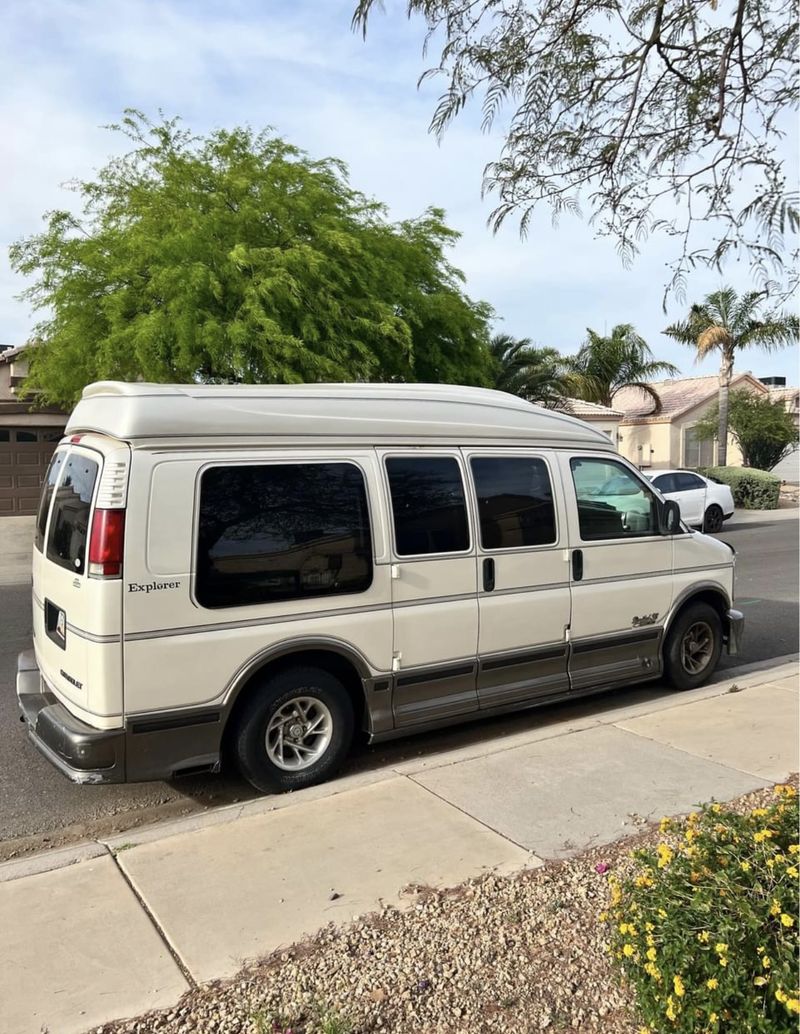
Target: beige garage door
[24,455]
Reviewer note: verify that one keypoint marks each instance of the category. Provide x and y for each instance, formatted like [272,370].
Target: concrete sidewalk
[114,928]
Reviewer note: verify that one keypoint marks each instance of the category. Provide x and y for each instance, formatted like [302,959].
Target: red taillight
[105,542]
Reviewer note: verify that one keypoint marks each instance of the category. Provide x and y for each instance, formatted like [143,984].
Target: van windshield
[53,472]
[69,524]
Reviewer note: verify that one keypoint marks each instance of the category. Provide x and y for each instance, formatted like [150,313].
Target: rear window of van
[53,473]
[69,523]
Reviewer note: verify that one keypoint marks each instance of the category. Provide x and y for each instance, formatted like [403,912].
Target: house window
[697,453]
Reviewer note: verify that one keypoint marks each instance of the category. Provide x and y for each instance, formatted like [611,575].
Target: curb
[773,669]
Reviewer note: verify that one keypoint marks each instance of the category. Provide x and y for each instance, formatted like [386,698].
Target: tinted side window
[665,483]
[69,523]
[428,505]
[48,487]
[687,482]
[515,501]
[612,502]
[282,532]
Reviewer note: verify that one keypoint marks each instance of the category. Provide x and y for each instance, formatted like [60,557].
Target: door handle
[577,565]
[488,574]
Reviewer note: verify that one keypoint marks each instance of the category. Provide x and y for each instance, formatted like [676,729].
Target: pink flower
[602,867]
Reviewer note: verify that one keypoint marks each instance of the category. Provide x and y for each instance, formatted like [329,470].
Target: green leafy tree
[646,112]
[521,368]
[761,427]
[607,363]
[237,258]
[727,323]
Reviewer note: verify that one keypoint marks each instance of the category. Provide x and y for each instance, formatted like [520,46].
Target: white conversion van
[258,572]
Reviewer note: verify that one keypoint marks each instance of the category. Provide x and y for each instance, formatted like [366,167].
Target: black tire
[712,522]
[278,691]
[677,665]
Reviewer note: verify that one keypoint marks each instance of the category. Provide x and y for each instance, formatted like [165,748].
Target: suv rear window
[49,485]
[69,524]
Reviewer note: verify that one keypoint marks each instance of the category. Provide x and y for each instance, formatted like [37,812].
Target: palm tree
[623,359]
[522,368]
[727,322]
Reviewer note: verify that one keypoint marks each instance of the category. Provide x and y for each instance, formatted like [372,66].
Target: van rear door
[77,589]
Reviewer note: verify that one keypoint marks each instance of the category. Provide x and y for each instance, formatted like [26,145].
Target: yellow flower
[712,1018]
[792,871]
[760,981]
[720,948]
[691,834]
[651,941]
[712,984]
[644,881]
[623,927]
[665,855]
[784,790]
[762,835]
[770,863]
[716,809]
[775,909]
[693,817]
[703,936]
[652,954]
[652,969]
[781,996]
[677,983]
[766,962]
[794,848]
[793,1004]
[649,927]
[786,920]
[665,824]
[723,961]
[627,950]
[779,858]
[758,813]
[603,917]
[662,914]
[671,1014]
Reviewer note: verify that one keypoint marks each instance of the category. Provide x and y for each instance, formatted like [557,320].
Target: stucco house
[603,418]
[28,436]
[668,439]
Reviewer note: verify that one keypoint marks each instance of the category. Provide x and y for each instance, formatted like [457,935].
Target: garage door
[24,455]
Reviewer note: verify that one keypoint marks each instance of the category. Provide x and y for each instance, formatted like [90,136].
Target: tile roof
[587,410]
[677,397]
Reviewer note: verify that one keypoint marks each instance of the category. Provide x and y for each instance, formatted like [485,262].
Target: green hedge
[752,489]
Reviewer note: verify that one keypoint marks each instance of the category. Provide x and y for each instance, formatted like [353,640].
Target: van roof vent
[113,491]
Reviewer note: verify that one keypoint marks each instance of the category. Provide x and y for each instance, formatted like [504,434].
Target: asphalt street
[39,808]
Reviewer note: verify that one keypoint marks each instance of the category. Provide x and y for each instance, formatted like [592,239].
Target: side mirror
[669,517]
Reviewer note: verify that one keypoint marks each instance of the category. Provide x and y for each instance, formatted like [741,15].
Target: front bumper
[735,627]
[79,751]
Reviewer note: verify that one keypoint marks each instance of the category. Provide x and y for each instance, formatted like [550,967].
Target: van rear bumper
[80,752]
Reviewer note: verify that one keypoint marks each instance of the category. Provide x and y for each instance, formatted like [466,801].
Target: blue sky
[71,66]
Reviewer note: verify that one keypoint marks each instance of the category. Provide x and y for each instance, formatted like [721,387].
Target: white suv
[704,503]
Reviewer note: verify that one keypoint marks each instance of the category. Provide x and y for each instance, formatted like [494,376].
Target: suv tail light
[106,542]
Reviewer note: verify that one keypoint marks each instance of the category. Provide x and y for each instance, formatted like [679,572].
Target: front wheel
[295,731]
[693,646]
[713,519]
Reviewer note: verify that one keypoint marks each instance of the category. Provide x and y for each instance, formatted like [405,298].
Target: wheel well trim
[286,648]
[687,594]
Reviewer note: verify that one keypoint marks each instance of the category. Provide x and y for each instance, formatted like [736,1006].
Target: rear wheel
[294,732]
[713,519]
[693,646]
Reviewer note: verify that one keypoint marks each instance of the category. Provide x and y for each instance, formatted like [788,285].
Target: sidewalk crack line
[156,925]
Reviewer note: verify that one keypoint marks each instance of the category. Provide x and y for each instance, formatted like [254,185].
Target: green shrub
[752,489]
[705,926]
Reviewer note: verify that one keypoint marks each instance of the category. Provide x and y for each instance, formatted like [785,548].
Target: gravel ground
[515,954]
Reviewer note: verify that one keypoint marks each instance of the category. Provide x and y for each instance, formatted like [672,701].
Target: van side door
[523,575]
[621,571]
[434,586]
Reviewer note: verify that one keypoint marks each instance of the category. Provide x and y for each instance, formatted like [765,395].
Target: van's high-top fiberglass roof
[338,413]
